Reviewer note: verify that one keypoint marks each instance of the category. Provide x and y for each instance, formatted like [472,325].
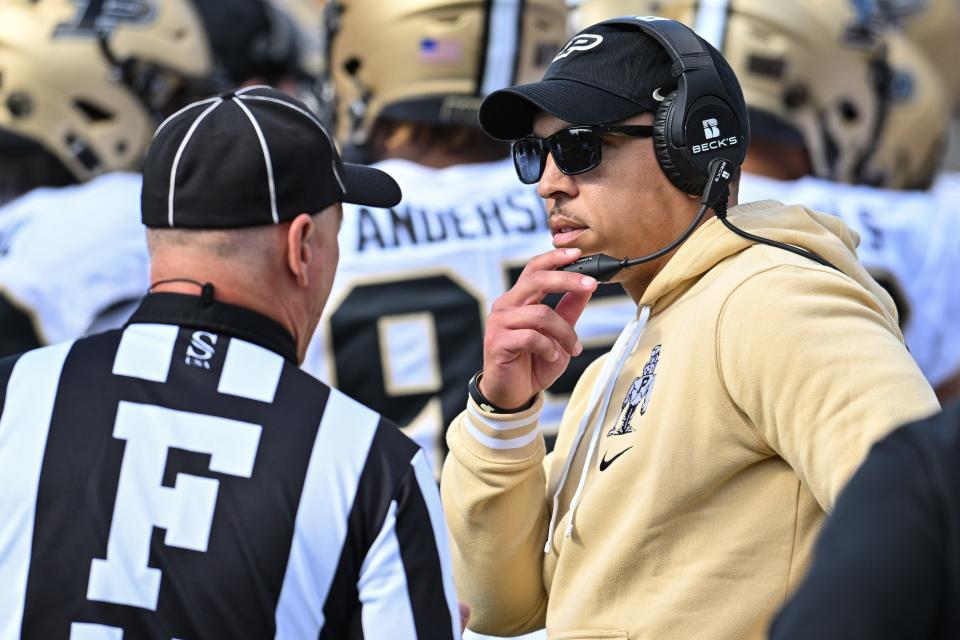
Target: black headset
[697,122]
[700,138]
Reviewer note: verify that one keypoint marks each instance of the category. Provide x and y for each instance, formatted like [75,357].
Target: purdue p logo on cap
[582,42]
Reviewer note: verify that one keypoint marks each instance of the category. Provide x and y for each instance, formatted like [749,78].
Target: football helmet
[432,61]
[85,79]
[914,137]
[812,72]
[932,26]
[307,16]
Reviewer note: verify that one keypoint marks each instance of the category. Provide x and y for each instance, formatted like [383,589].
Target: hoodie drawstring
[603,386]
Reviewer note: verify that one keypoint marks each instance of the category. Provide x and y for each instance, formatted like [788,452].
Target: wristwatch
[474,389]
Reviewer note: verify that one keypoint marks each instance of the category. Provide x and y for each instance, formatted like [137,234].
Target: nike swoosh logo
[604,463]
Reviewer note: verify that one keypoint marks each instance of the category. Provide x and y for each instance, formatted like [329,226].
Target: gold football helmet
[933,27]
[84,80]
[811,72]
[432,61]
[914,137]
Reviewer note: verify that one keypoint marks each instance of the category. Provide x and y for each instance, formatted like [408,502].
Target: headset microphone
[603,267]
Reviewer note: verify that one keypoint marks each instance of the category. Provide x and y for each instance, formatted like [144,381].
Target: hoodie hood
[712,243]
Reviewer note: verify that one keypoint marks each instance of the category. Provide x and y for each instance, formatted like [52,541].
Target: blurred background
[853,107]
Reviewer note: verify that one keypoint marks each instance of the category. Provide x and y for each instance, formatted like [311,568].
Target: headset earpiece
[666,149]
[698,122]
[700,138]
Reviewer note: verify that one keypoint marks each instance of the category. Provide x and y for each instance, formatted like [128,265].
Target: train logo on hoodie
[638,396]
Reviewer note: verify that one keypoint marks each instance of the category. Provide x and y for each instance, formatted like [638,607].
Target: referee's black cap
[250,157]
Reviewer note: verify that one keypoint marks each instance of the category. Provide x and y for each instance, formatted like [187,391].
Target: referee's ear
[301,248]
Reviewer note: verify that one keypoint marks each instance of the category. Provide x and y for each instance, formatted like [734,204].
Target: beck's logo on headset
[710,129]
[712,133]
[582,42]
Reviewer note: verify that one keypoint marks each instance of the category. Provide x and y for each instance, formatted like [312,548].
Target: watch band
[473,387]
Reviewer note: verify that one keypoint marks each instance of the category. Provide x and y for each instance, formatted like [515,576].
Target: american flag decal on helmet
[436,51]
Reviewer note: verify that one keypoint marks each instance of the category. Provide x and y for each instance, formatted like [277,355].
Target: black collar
[192,311]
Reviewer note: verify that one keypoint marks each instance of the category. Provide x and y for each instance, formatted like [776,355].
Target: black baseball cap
[251,157]
[604,74]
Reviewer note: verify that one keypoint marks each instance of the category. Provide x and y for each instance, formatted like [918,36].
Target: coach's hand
[527,344]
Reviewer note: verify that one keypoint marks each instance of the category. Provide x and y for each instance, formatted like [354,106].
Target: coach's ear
[300,248]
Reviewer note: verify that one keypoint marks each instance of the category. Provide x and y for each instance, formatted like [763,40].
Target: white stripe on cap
[185,109]
[314,120]
[176,159]
[266,158]
[501,45]
[710,22]
[254,87]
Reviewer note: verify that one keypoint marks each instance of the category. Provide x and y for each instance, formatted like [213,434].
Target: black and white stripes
[30,391]
[184,483]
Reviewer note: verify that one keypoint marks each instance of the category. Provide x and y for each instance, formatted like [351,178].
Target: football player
[80,92]
[403,328]
[83,86]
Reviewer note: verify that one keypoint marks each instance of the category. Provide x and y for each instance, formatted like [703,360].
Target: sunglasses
[574,149]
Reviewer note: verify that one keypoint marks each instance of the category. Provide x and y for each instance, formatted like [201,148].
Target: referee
[181,477]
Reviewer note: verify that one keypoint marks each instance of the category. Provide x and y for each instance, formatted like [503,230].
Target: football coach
[696,461]
[181,477]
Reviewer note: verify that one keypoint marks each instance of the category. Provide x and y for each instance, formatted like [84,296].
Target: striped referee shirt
[182,478]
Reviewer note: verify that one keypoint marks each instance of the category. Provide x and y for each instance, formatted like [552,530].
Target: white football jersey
[909,243]
[403,329]
[75,257]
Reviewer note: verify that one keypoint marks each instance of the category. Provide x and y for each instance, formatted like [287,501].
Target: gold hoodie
[738,403]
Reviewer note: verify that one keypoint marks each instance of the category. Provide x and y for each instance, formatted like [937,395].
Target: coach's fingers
[544,320]
[550,260]
[525,341]
[536,285]
[545,262]
[572,304]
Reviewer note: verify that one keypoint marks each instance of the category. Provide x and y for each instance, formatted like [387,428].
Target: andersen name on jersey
[403,329]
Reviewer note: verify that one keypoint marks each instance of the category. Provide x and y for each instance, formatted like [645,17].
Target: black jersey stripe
[421,556]
[387,462]
[18,329]
[438,526]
